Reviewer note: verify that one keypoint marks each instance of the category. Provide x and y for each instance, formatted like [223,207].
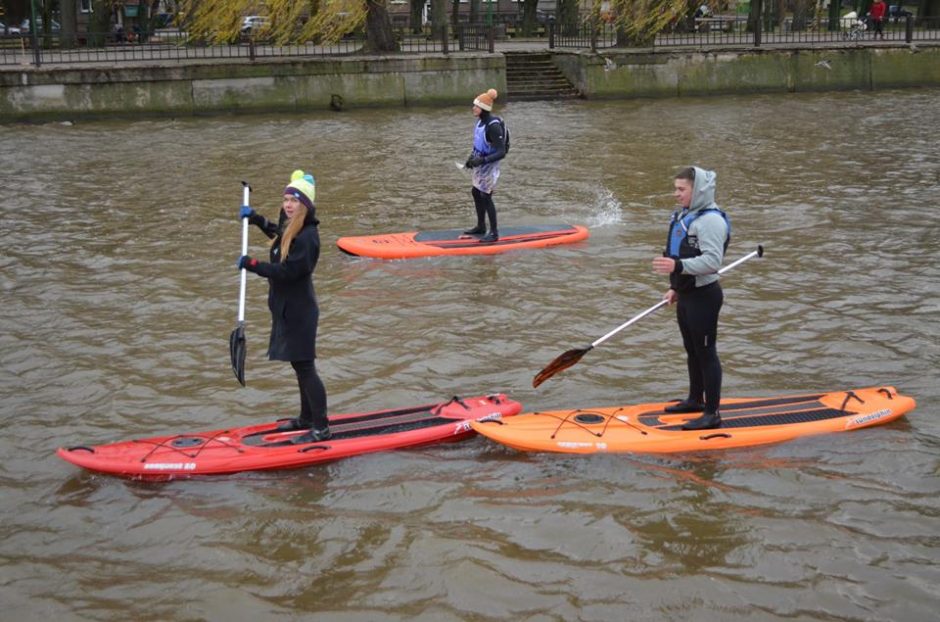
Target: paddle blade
[563,362]
[237,348]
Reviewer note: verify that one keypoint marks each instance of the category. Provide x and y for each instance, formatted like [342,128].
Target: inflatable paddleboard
[646,428]
[415,244]
[261,447]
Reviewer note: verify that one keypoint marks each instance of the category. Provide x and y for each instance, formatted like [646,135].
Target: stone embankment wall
[625,73]
[167,88]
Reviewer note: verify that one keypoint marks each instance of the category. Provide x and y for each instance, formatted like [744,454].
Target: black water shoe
[685,406]
[313,436]
[476,230]
[708,421]
[492,236]
[292,425]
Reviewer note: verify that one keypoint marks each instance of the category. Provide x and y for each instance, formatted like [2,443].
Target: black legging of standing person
[312,395]
[483,203]
[697,314]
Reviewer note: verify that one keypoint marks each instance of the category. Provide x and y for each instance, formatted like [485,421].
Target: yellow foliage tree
[639,21]
[287,21]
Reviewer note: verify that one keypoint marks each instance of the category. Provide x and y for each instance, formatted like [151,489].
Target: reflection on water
[120,290]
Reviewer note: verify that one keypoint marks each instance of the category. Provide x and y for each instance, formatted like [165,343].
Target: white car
[24,26]
[253,23]
[9,30]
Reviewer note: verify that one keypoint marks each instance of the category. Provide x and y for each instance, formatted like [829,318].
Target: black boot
[476,230]
[492,236]
[291,425]
[313,436]
[685,406]
[708,421]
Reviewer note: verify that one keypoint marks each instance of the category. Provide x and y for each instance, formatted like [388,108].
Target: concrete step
[532,77]
[524,97]
[559,81]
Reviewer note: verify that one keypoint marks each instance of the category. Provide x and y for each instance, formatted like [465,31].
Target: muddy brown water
[119,292]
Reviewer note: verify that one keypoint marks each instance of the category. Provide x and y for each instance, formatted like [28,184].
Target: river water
[119,292]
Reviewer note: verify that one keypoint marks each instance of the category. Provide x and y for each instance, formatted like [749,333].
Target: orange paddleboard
[413,244]
[646,428]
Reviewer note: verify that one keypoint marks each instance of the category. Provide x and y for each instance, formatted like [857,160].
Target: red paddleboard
[413,244]
[262,447]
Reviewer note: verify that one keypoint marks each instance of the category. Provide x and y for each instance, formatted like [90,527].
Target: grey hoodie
[708,232]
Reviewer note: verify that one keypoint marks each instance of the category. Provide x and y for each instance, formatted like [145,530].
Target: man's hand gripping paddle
[571,357]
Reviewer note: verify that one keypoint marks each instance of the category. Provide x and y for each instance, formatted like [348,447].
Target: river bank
[296,84]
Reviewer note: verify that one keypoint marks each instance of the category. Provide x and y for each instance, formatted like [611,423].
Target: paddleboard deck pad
[413,244]
[647,428]
[262,447]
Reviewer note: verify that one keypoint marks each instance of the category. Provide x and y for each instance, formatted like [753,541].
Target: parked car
[254,23]
[24,25]
[898,12]
[8,30]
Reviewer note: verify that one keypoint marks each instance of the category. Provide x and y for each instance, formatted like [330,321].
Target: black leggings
[312,394]
[697,314]
[484,204]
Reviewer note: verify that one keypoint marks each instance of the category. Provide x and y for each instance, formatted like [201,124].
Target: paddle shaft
[662,303]
[246,191]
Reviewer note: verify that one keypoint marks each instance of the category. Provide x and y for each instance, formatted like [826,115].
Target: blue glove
[245,262]
[246,212]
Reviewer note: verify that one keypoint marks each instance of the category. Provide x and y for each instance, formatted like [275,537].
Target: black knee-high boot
[312,395]
[481,211]
[490,208]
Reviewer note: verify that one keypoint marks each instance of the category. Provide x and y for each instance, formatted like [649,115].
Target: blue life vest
[678,245]
[480,145]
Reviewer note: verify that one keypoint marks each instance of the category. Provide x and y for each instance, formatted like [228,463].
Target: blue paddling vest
[480,144]
[678,245]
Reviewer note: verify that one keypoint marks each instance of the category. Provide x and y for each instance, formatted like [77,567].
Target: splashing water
[606,210]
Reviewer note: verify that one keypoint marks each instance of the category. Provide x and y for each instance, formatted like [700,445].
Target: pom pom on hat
[303,187]
[485,100]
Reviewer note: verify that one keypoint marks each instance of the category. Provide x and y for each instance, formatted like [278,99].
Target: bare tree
[438,18]
[530,22]
[475,11]
[567,18]
[379,34]
[68,15]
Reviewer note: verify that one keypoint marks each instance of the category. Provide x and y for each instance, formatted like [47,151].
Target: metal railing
[171,45]
[583,35]
[476,37]
[738,31]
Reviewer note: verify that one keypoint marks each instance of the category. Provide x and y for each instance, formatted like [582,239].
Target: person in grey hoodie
[699,233]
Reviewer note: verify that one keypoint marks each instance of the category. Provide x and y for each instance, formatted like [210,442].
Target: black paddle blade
[561,363]
[237,348]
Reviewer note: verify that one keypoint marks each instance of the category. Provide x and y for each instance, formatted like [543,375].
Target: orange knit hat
[485,100]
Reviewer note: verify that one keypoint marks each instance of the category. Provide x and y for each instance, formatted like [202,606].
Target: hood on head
[703,190]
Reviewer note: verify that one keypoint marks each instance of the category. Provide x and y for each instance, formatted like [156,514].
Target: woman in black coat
[292,301]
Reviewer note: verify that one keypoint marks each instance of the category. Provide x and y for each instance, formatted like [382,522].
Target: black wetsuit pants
[697,314]
[312,395]
[483,202]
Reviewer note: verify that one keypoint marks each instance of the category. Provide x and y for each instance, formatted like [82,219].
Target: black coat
[291,297]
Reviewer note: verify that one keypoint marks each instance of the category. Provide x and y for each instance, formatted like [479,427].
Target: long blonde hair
[294,225]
